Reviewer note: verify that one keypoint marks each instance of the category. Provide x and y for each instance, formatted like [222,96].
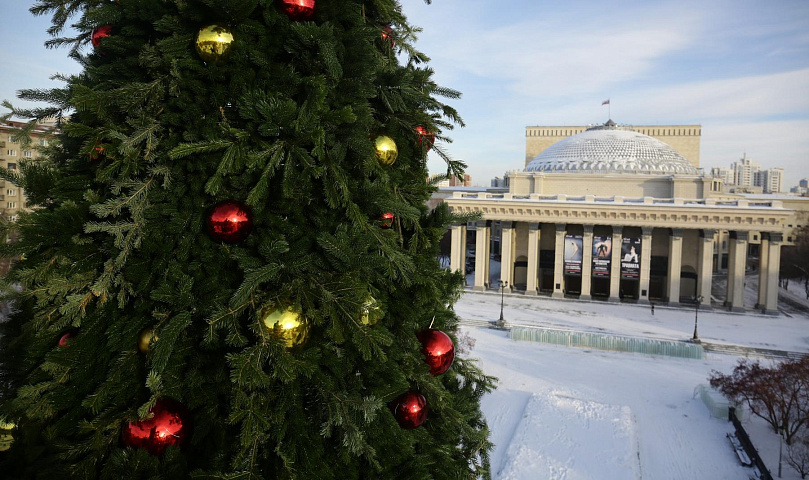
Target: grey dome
[610,149]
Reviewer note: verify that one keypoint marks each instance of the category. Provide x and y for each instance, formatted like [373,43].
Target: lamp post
[502,321]
[780,448]
[699,299]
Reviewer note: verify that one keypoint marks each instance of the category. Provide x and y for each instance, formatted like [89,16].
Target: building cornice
[741,215]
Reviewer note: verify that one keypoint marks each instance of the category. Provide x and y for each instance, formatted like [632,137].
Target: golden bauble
[214,43]
[386,151]
[6,439]
[286,324]
[145,339]
[371,312]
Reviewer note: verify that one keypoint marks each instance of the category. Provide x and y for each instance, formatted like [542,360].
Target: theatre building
[612,213]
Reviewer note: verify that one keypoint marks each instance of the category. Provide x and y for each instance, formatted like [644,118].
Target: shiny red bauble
[387,34]
[99,33]
[66,338]
[298,10]
[438,350]
[427,135]
[409,409]
[98,153]
[229,221]
[387,220]
[168,425]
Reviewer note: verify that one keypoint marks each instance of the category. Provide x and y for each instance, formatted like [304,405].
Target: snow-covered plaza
[575,413]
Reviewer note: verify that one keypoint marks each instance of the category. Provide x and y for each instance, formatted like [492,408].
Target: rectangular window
[10,192]
[11,153]
[43,142]
[11,205]
[11,166]
[27,154]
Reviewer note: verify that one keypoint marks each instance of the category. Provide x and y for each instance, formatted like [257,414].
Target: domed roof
[611,149]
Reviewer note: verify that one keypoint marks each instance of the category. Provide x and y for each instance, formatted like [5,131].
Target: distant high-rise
[744,172]
[454,181]
[725,174]
[770,180]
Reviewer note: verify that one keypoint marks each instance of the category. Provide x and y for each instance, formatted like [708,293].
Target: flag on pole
[605,102]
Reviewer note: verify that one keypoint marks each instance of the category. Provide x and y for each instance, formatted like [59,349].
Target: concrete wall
[627,185]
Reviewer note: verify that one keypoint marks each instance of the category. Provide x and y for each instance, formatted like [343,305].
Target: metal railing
[751,451]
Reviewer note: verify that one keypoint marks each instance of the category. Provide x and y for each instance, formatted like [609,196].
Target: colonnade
[668,245]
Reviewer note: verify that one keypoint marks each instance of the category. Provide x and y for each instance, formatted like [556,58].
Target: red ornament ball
[98,153]
[409,409]
[229,221]
[438,350]
[99,33]
[298,10]
[168,425]
[425,134]
[387,220]
[387,34]
[66,338]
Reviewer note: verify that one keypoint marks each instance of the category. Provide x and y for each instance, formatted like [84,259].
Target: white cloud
[571,51]
[746,97]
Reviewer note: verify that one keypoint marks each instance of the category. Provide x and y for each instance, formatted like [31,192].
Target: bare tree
[798,454]
[778,394]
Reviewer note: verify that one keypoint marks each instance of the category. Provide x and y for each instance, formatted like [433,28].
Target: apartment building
[12,152]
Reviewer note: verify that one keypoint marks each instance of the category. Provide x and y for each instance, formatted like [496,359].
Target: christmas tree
[229,269]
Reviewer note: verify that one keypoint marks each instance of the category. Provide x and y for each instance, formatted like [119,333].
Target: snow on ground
[572,413]
[718,326]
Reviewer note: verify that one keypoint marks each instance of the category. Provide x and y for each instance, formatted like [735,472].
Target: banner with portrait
[630,258]
[573,254]
[602,256]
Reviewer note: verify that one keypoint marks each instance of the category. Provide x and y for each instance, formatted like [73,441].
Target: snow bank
[568,438]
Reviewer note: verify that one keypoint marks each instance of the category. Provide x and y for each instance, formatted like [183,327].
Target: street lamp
[780,448]
[699,299]
[502,322]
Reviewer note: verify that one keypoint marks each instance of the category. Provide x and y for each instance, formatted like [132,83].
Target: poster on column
[630,258]
[573,254]
[602,256]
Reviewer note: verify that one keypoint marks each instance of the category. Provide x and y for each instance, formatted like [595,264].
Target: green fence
[608,342]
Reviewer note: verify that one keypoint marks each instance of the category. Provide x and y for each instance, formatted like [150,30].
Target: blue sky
[738,68]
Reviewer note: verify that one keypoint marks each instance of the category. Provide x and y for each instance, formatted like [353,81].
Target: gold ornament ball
[371,312]
[286,324]
[214,43]
[6,439]
[386,151]
[145,339]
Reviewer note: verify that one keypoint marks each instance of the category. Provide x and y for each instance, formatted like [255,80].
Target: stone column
[457,254]
[773,265]
[645,264]
[615,264]
[559,262]
[705,267]
[482,240]
[533,258]
[730,274]
[763,261]
[675,266]
[739,243]
[507,237]
[587,263]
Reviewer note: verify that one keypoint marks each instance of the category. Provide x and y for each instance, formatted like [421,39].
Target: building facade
[615,214]
[12,152]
